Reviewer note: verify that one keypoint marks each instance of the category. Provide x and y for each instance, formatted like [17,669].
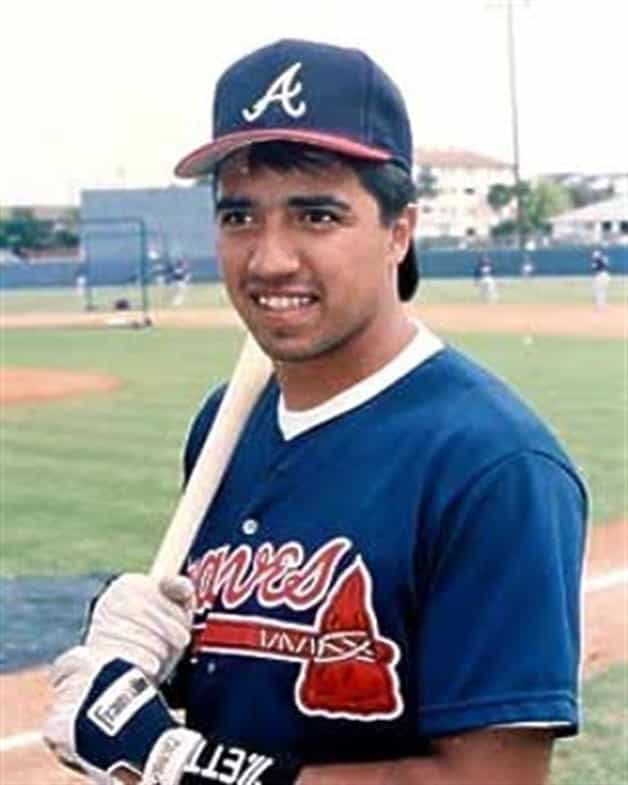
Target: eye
[235,219]
[319,216]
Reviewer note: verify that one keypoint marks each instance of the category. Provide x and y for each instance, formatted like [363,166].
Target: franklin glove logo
[282,91]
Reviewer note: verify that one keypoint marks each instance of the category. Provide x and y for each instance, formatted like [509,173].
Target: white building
[604,185]
[601,222]
[462,181]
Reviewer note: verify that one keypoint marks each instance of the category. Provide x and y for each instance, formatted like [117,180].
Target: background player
[485,280]
[600,267]
[386,588]
[181,277]
[527,267]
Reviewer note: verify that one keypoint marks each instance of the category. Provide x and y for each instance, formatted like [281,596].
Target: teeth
[284,303]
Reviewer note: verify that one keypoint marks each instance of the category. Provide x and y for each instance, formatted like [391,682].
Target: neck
[311,382]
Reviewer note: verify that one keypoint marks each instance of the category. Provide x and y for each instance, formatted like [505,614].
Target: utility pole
[512,68]
[514,109]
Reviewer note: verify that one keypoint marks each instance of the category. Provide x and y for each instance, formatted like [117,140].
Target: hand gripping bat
[247,381]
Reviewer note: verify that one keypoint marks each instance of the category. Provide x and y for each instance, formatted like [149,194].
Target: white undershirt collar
[423,346]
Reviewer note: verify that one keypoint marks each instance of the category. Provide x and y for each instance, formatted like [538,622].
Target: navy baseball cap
[327,96]
[302,91]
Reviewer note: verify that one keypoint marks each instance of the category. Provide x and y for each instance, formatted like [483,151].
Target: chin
[296,343]
[279,351]
[298,350]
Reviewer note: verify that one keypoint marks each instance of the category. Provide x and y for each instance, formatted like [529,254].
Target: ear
[402,233]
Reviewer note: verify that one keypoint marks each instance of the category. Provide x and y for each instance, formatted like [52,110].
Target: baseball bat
[249,377]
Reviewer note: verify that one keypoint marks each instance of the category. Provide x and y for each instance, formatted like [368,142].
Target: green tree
[65,238]
[546,199]
[504,229]
[538,202]
[500,195]
[21,230]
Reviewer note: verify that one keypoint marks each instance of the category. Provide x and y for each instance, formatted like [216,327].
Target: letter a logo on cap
[283,91]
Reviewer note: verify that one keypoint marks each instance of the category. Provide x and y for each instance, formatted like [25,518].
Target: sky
[112,93]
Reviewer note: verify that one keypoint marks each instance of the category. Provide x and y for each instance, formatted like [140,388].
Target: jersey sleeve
[499,638]
[198,431]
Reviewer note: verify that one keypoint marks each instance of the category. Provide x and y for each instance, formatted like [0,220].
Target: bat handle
[247,382]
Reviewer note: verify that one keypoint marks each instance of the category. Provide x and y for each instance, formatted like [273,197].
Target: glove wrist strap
[169,755]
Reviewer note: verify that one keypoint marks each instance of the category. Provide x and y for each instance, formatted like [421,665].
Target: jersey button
[250,526]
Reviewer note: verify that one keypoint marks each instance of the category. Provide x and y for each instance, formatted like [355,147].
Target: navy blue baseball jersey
[599,263]
[399,563]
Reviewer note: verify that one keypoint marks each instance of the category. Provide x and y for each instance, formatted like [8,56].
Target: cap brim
[202,160]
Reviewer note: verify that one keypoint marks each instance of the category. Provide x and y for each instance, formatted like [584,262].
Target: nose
[274,253]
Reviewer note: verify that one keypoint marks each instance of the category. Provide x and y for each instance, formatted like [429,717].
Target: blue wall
[507,262]
[435,264]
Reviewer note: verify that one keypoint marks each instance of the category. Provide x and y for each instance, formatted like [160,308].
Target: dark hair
[390,185]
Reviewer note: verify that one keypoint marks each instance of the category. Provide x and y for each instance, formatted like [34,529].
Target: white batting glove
[143,622]
[71,677]
[106,717]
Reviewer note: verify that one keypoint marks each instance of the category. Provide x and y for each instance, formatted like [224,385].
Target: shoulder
[199,427]
[204,419]
[465,419]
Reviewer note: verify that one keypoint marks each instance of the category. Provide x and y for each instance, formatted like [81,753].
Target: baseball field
[94,412]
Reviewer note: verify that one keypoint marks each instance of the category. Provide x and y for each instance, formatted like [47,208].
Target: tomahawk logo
[282,91]
[347,669]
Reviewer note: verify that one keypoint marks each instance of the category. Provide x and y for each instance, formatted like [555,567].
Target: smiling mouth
[283,303]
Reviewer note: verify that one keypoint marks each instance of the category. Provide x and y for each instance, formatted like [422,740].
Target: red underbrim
[202,160]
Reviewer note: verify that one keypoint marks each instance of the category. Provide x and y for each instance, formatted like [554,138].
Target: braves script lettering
[276,576]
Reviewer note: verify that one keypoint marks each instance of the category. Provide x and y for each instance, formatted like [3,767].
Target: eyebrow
[323,200]
[233,204]
[302,202]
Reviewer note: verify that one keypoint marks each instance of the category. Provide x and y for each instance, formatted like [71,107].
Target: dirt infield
[24,696]
[606,622]
[539,319]
[23,385]
[545,319]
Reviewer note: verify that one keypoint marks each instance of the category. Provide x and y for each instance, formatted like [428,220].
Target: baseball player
[600,268]
[527,267]
[385,589]
[181,277]
[485,280]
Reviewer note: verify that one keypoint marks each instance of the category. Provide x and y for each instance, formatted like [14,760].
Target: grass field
[82,473]
[599,756]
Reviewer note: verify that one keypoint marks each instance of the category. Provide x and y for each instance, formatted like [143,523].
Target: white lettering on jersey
[232,766]
[282,91]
